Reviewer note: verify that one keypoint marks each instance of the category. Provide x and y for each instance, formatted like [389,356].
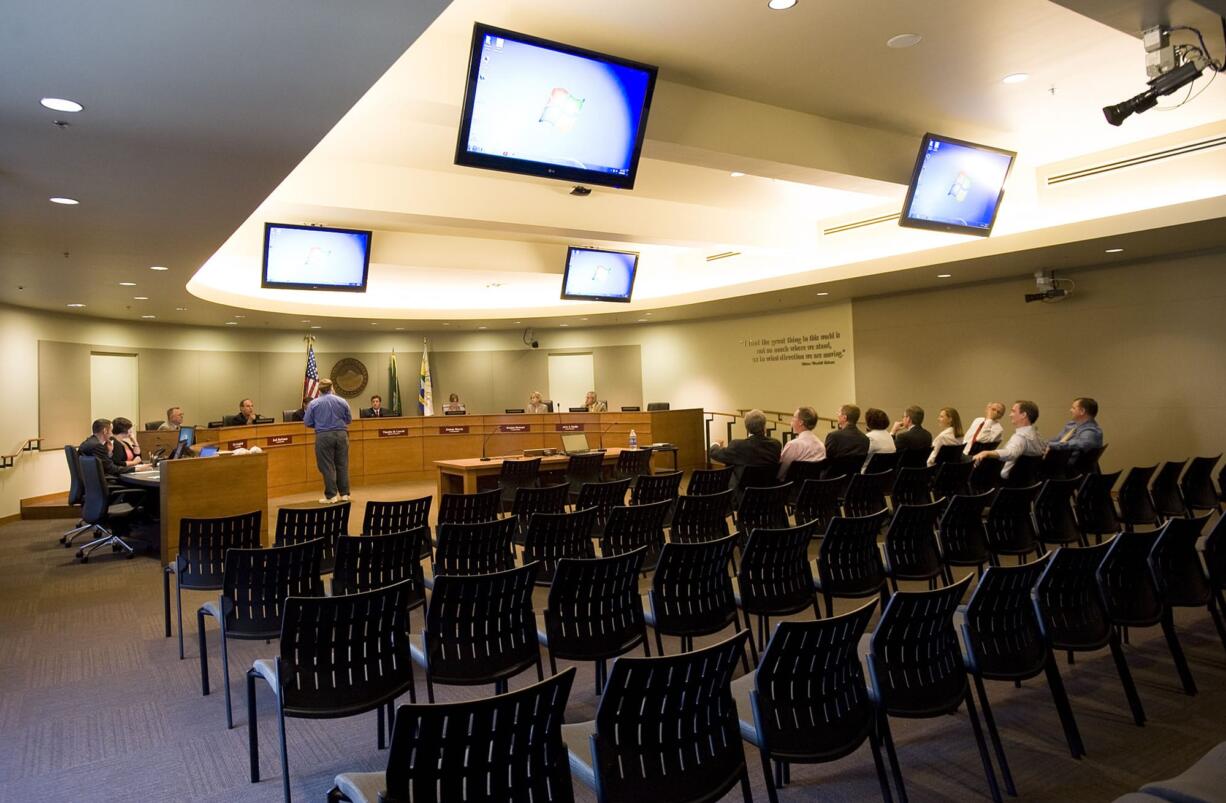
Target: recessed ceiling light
[1015,78]
[127,284]
[642,320]
[140,298]
[736,174]
[76,306]
[823,293]
[399,328]
[305,320]
[944,275]
[61,104]
[374,323]
[583,319]
[180,309]
[149,316]
[780,5]
[1115,250]
[231,323]
[519,321]
[64,201]
[646,313]
[446,324]
[157,267]
[240,316]
[483,327]
[317,326]
[904,40]
[564,325]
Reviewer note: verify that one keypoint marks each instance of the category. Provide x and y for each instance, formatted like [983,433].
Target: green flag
[393,386]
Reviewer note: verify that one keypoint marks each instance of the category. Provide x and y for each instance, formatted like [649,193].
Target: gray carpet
[96,705]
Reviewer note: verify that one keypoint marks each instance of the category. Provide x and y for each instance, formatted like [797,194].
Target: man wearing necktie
[1082,432]
[986,428]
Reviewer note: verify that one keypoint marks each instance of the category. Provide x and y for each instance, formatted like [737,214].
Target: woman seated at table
[125,449]
[453,405]
[950,434]
[535,405]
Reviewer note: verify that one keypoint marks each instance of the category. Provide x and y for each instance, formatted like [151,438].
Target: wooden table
[464,475]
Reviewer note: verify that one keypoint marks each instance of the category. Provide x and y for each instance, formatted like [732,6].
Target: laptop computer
[208,451]
[574,443]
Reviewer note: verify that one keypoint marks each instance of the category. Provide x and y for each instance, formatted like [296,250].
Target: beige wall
[1148,341]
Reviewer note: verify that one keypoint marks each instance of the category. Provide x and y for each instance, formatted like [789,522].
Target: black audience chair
[1025,472]
[762,507]
[981,446]
[1213,550]
[480,629]
[818,501]
[1004,641]
[700,518]
[1136,505]
[799,471]
[632,463]
[1096,514]
[785,706]
[704,481]
[1070,608]
[1054,519]
[1133,599]
[849,561]
[603,497]
[1055,464]
[881,461]
[507,748]
[949,453]
[964,540]
[201,559]
[1010,523]
[1196,485]
[468,508]
[666,729]
[255,585]
[911,551]
[1086,462]
[913,486]
[528,501]
[761,476]
[691,593]
[866,493]
[101,510]
[297,525]
[550,537]
[656,488]
[845,465]
[338,657]
[478,548]
[582,469]
[985,475]
[383,518]
[916,669]
[913,458]
[1165,493]
[775,578]
[515,474]
[367,562]
[1178,571]
[595,612]
[637,527]
[951,479]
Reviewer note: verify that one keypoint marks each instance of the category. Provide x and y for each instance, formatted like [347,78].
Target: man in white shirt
[986,428]
[805,446]
[1024,441]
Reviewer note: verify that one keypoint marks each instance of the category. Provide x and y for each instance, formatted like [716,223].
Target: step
[50,506]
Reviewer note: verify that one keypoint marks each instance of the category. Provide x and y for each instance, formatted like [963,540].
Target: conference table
[464,475]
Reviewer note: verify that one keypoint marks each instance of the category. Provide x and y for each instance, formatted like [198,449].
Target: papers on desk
[147,474]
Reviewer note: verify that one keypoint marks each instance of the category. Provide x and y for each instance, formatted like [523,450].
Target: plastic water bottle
[634,440]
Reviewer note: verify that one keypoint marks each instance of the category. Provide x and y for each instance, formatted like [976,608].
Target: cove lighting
[823,293]
[157,267]
[904,40]
[127,284]
[1015,78]
[75,306]
[1115,251]
[944,275]
[140,298]
[780,5]
[64,201]
[149,317]
[62,105]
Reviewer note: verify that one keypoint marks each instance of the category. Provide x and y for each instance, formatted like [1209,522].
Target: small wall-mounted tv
[543,108]
[956,186]
[315,258]
[594,274]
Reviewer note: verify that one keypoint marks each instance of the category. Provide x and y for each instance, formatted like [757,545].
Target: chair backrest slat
[203,543]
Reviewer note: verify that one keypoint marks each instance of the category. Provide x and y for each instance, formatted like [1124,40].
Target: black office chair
[700,518]
[636,527]
[818,501]
[474,548]
[775,578]
[1165,492]
[911,551]
[367,562]
[582,469]
[76,494]
[100,512]
[704,481]
[151,426]
[653,407]
[527,501]
[950,453]
[1196,485]
[633,409]
[296,525]
[513,410]
[399,516]
[691,593]
[469,508]
[849,561]
[913,486]
[516,474]
[550,537]
[1096,514]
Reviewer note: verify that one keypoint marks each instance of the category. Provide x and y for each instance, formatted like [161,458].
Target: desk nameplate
[568,427]
[280,440]
[457,430]
[514,428]
[393,432]
[232,445]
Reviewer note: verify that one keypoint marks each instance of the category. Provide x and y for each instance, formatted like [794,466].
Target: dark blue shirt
[328,413]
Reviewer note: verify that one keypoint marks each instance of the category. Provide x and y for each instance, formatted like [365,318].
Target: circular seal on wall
[349,377]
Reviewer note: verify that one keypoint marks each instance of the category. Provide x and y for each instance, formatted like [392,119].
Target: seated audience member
[245,415]
[98,445]
[986,428]
[535,405]
[805,447]
[756,450]
[453,405]
[951,432]
[300,413]
[879,439]
[1025,439]
[847,440]
[593,404]
[1082,432]
[375,410]
[909,433]
[125,451]
[174,419]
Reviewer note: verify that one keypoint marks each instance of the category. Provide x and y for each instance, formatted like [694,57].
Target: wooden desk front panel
[210,487]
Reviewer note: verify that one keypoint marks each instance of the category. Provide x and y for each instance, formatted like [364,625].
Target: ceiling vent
[859,224]
[1133,161]
[723,255]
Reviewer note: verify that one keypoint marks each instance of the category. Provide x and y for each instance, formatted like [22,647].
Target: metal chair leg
[893,756]
[994,735]
[983,747]
[1181,662]
[1130,688]
[874,742]
[253,738]
[204,660]
[1063,708]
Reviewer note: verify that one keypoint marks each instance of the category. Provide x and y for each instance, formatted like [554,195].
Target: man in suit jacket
[756,450]
[909,433]
[98,446]
[246,414]
[375,410]
[847,441]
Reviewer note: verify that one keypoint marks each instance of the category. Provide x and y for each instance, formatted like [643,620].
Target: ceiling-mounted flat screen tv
[594,274]
[542,108]
[315,258]
[956,186]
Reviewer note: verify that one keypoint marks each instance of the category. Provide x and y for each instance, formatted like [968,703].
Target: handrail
[29,445]
[783,416]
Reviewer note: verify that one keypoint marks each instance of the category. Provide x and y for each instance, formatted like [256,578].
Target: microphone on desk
[485,441]
[600,437]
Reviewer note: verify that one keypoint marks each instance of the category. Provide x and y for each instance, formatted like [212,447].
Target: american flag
[310,384]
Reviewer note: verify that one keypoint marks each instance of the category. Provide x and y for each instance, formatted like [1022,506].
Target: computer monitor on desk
[187,434]
[574,443]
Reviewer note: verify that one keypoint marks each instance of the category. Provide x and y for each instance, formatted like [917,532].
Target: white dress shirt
[990,432]
[804,447]
[879,440]
[1024,441]
[945,437]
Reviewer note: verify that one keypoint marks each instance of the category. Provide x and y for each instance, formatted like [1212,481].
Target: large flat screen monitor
[187,435]
[593,274]
[315,258]
[547,109]
[956,186]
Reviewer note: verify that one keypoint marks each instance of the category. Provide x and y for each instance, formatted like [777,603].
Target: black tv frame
[370,241]
[953,228]
[526,167]
[634,274]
